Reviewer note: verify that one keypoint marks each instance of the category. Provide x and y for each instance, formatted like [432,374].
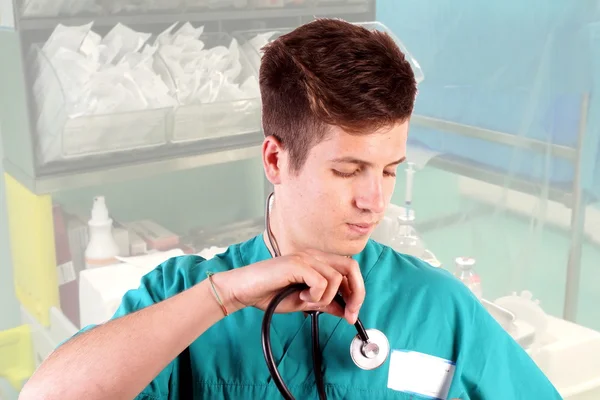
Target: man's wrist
[222,291]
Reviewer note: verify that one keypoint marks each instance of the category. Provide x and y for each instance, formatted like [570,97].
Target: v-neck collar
[285,328]
[256,250]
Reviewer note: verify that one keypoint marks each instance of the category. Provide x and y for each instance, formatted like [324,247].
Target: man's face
[342,191]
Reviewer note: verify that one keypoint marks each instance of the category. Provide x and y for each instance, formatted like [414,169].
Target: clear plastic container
[230,101]
[333,2]
[54,8]
[215,4]
[63,135]
[253,40]
[465,272]
[69,8]
[405,239]
[277,3]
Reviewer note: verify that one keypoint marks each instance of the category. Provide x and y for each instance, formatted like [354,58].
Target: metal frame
[197,16]
[119,173]
[571,196]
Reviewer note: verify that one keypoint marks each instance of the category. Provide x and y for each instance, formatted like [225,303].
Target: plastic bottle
[406,239]
[102,247]
[465,272]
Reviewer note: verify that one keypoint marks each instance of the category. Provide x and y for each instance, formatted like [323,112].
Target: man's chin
[351,247]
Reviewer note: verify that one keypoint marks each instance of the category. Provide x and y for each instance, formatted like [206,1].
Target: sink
[569,354]
[570,358]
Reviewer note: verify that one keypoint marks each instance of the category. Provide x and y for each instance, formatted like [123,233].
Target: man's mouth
[361,227]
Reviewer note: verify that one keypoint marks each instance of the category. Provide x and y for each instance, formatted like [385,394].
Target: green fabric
[418,307]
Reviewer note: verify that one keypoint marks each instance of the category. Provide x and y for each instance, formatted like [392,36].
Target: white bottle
[102,247]
[465,272]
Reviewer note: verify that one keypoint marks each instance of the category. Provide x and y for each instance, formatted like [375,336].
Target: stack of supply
[98,95]
[216,89]
[252,46]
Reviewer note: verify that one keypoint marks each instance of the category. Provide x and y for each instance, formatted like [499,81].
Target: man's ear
[273,159]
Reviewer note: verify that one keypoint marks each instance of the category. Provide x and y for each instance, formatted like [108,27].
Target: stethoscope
[369,349]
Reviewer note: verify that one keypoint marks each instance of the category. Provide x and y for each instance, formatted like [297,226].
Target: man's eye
[389,173]
[345,174]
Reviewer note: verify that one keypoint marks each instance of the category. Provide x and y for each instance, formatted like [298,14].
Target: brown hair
[332,73]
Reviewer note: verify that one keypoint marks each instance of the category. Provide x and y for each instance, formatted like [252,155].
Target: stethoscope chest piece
[372,354]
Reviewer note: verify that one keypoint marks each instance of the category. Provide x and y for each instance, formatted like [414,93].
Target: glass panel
[505,141]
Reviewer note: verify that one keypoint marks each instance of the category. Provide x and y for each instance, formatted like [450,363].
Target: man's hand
[324,274]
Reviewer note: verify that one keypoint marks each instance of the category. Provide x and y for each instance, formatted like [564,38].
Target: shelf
[136,165]
[42,23]
[565,152]
[484,173]
[562,193]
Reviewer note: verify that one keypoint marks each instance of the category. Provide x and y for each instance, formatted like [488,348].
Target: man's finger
[356,286]
[346,294]
[350,269]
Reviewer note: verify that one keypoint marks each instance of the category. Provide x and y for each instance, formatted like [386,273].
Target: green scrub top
[444,344]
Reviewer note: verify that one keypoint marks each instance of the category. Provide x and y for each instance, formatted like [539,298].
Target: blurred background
[144,117]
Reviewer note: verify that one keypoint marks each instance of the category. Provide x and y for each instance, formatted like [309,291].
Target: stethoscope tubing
[266,326]
[266,338]
[316,351]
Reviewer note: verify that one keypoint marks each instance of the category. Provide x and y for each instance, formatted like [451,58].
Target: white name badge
[420,374]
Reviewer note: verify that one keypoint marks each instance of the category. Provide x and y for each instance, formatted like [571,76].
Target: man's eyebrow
[353,160]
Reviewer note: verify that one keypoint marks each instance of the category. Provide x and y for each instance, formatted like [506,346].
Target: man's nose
[370,197]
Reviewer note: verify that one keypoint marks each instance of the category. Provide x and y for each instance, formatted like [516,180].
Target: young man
[336,106]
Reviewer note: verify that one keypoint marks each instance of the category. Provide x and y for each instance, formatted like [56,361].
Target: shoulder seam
[238,253]
[383,248]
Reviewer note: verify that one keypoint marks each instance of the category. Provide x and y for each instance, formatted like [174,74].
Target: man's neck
[279,235]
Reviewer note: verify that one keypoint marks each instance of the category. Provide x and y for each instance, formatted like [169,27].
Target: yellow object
[30,224]
[16,355]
